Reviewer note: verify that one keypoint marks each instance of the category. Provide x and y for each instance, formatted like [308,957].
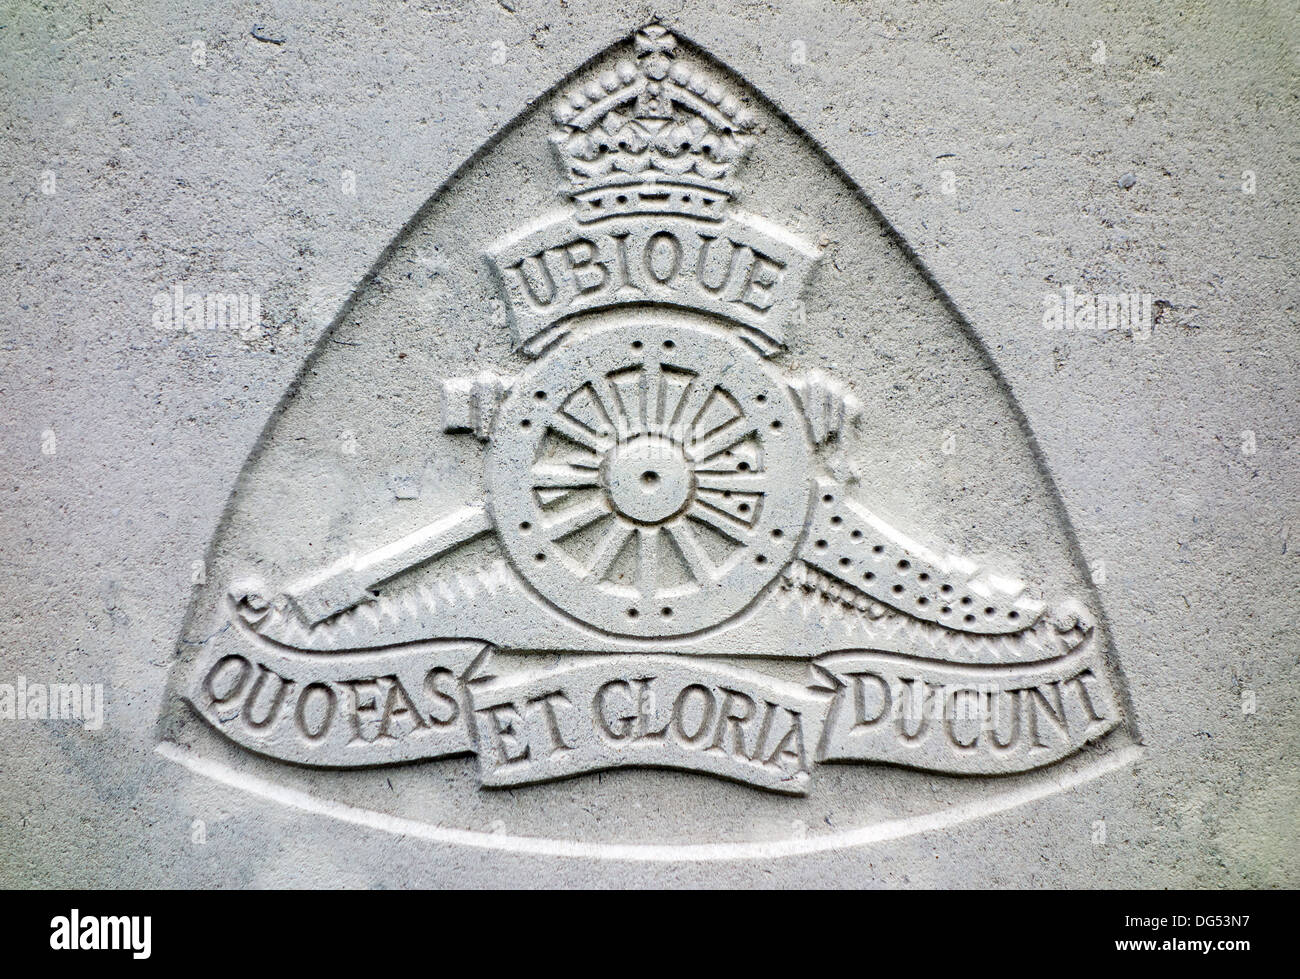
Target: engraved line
[618,410]
[745,482]
[609,547]
[575,518]
[720,440]
[563,476]
[691,406]
[891,829]
[700,566]
[573,429]
[729,525]
[408,231]
[601,408]
[648,561]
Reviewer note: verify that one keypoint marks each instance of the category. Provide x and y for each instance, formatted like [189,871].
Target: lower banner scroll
[967,720]
[659,711]
[533,724]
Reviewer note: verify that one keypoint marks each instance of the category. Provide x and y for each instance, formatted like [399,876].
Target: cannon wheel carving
[649,479]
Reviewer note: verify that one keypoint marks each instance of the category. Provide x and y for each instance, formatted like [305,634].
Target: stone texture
[1173,453]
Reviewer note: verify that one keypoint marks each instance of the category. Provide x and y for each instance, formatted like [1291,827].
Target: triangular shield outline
[176,715]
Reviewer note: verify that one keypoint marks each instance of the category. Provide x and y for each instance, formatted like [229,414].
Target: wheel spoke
[743,507]
[724,524]
[585,407]
[575,518]
[623,420]
[648,561]
[688,409]
[577,432]
[721,440]
[698,562]
[744,482]
[651,394]
[610,544]
[563,476]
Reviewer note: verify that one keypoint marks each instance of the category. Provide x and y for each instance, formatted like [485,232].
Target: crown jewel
[654,136]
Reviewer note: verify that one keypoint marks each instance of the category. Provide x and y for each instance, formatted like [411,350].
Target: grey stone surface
[1020,155]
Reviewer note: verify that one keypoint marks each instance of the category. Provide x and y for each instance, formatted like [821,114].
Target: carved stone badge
[669,506]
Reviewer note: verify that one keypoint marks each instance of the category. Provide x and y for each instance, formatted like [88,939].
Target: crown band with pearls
[652,137]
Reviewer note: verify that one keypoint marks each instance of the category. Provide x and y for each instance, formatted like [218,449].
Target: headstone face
[636,537]
[778,444]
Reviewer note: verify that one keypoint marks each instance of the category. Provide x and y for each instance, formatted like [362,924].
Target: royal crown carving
[652,136]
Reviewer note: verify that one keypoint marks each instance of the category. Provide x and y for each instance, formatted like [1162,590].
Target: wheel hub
[649,479]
